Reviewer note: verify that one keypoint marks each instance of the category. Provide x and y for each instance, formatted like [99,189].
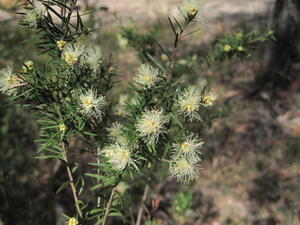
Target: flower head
[72,53]
[91,104]
[241,49]
[164,57]
[152,124]
[61,44]
[120,108]
[119,156]
[239,35]
[122,42]
[184,169]
[62,127]
[227,48]
[28,66]
[189,147]
[8,81]
[147,76]
[209,99]
[93,58]
[189,102]
[115,130]
[72,221]
[32,17]
[192,10]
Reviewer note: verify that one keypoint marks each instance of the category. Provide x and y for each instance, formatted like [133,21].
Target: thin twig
[108,205]
[98,173]
[139,218]
[71,179]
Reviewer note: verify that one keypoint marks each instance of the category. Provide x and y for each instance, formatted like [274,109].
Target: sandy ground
[144,10]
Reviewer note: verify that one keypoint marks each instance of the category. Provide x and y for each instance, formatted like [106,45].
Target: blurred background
[251,163]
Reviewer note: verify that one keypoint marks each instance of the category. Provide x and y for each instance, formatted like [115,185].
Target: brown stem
[179,37]
[139,218]
[108,205]
[71,179]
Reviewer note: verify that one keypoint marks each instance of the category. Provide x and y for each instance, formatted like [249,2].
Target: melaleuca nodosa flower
[92,104]
[120,108]
[209,99]
[72,221]
[32,17]
[93,58]
[188,102]
[72,53]
[115,130]
[192,10]
[122,42]
[62,127]
[152,124]
[184,169]
[9,82]
[189,147]
[28,66]
[147,76]
[61,44]
[118,155]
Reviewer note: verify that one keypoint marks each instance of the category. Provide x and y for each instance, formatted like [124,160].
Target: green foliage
[237,46]
[12,45]
[150,131]
[181,205]
[143,43]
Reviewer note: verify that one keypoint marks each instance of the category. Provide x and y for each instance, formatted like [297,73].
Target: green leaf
[62,187]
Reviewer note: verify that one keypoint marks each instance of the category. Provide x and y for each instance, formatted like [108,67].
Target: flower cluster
[119,156]
[185,161]
[115,130]
[32,17]
[9,82]
[147,76]
[190,147]
[185,169]
[192,10]
[61,44]
[120,109]
[209,99]
[72,221]
[91,104]
[72,53]
[93,58]
[189,102]
[152,124]
[28,66]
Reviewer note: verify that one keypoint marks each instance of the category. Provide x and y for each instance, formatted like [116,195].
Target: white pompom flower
[189,102]
[92,104]
[190,147]
[93,58]
[184,170]
[147,76]
[115,130]
[152,124]
[209,99]
[32,17]
[72,53]
[9,82]
[119,156]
